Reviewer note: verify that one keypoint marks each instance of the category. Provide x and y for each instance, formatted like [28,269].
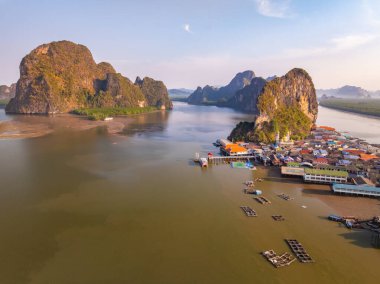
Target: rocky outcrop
[205,95]
[118,91]
[155,92]
[63,76]
[246,98]
[284,105]
[6,92]
[295,89]
[213,95]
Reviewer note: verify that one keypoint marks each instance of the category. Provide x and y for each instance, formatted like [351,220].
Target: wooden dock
[299,251]
[249,211]
[278,260]
[262,200]
[216,160]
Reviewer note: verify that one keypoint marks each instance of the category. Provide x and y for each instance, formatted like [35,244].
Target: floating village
[350,166]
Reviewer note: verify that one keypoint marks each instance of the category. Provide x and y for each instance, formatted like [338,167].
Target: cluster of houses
[326,156]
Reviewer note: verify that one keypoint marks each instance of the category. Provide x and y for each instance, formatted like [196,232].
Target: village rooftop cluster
[350,165]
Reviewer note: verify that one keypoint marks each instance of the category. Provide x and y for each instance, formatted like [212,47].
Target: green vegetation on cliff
[155,92]
[62,76]
[362,106]
[287,104]
[102,113]
[243,131]
[285,120]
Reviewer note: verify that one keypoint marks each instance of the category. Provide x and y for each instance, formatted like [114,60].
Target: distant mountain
[182,92]
[246,98]
[214,95]
[346,92]
[6,93]
[270,78]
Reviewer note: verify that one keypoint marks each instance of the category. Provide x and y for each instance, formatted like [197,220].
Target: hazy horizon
[204,42]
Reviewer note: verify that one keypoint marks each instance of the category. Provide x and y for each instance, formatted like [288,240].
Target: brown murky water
[88,207]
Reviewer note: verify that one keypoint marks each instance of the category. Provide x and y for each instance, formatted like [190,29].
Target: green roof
[327,172]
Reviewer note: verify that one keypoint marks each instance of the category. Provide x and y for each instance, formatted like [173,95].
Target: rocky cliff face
[6,92]
[295,89]
[212,95]
[62,76]
[155,92]
[118,91]
[285,104]
[246,98]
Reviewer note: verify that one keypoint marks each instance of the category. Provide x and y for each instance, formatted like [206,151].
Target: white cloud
[186,28]
[351,41]
[274,8]
[333,46]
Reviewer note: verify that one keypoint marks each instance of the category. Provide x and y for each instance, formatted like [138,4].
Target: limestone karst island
[160,142]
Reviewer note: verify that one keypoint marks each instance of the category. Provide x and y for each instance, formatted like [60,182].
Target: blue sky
[191,43]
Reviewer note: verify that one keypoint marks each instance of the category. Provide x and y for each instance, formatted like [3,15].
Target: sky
[193,43]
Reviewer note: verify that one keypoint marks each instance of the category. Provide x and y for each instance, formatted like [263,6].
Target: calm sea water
[88,207]
[361,126]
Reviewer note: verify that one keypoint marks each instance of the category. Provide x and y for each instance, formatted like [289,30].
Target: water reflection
[148,125]
[361,126]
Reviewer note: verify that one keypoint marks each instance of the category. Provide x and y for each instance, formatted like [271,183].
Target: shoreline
[31,126]
[352,111]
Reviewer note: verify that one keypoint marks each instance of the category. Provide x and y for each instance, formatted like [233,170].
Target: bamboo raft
[249,211]
[262,200]
[278,218]
[285,197]
[299,251]
[278,260]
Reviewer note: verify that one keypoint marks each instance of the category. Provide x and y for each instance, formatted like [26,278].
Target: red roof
[321,161]
[327,128]
[354,152]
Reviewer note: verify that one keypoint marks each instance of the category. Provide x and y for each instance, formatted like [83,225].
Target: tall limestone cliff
[246,98]
[155,92]
[118,91]
[287,104]
[62,76]
[213,95]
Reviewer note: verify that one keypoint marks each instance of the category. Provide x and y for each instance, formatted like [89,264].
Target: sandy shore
[30,126]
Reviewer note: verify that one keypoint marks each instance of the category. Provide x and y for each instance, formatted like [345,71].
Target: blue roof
[364,188]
